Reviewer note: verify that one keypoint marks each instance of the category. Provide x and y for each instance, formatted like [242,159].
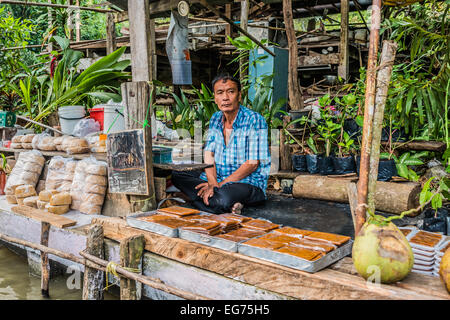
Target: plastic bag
[89,186]
[27,170]
[85,127]
[299,162]
[344,165]
[60,174]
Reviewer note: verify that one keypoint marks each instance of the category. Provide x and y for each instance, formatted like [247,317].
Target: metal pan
[295,262]
[208,240]
[133,221]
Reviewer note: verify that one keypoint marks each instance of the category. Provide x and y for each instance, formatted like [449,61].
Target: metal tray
[133,221]
[295,262]
[208,240]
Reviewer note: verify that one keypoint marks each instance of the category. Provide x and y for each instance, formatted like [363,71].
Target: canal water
[17,284]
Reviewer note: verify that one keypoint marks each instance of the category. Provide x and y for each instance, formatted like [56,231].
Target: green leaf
[425,194]
[409,100]
[402,170]
[436,202]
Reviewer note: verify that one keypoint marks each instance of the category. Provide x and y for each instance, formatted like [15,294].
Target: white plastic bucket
[113,118]
[69,116]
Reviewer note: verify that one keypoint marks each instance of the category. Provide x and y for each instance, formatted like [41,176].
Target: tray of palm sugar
[440,249]
[408,232]
[236,217]
[153,221]
[220,226]
[293,232]
[426,241]
[260,224]
[178,211]
[290,249]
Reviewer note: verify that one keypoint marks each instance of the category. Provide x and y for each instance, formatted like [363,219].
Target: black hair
[224,77]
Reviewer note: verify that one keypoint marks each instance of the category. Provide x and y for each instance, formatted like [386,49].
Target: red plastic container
[98,115]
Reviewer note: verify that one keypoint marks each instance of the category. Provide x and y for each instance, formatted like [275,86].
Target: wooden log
[437,146]
[295,95]
[131,250]
[390,197]
[45,266]
[93,278]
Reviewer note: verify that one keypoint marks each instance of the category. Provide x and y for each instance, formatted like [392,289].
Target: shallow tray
[133,221]
[295,262]
[208,240]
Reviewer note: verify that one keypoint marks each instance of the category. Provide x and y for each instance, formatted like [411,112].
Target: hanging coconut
[444,270]
[381,250]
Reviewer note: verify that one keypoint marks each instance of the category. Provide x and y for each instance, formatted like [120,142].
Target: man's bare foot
[237,208]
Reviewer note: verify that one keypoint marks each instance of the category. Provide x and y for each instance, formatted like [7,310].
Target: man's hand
[206,191]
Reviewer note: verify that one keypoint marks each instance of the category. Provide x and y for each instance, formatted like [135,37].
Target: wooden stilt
[45,266]
[285,149]
[131,250]
[93,278]
[343,68]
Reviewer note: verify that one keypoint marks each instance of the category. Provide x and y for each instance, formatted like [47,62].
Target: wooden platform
[219,274]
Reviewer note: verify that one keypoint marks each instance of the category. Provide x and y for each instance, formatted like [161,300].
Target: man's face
[226,95]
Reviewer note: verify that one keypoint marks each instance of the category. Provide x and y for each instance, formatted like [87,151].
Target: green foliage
[406,160]
[435,193]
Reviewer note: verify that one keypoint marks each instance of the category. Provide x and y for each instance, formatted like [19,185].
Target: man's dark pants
[223,199]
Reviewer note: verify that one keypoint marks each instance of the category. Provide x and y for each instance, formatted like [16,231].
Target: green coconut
[381,250]
[444,269]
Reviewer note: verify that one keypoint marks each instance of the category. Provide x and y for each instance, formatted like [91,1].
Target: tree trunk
[295,95]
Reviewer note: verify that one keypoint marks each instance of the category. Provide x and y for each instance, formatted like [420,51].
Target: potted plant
[5,169]
[299,148]
[344,161]
[314,158]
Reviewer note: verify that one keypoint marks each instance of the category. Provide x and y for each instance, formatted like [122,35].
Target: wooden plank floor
[339,281]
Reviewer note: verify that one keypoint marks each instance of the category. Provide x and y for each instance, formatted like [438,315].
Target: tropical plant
[435,191]
[67,87]
[406,160]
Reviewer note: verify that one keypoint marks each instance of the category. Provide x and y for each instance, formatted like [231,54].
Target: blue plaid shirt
[248,141]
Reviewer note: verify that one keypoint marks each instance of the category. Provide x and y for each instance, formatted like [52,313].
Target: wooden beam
[110,34]
[343,68]
[131,250]
[224,17]
[141,42]
[53,5]
[77,22]
[93,278]
[45,266]
[136,97]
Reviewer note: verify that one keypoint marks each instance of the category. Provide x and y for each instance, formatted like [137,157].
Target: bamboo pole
[100,264]
[244,24]
[53,5]
[369,108]
[383,79]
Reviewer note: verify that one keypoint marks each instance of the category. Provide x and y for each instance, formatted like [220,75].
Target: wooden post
[369,109]
[110,34]
[295,95]
[244,25]
[285,149]
[94,279]
[131,250]
[343,68]
[45,266]
[135,96]
[141,42]
[70,20]
[50,25]
[228,27]
[383,79]
[77,22]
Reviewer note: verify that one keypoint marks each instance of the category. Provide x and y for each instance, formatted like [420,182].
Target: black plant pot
[397,136]
[312,163]
[299,162]
[326,166]
[386,169]
[352,128]
[344,165]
